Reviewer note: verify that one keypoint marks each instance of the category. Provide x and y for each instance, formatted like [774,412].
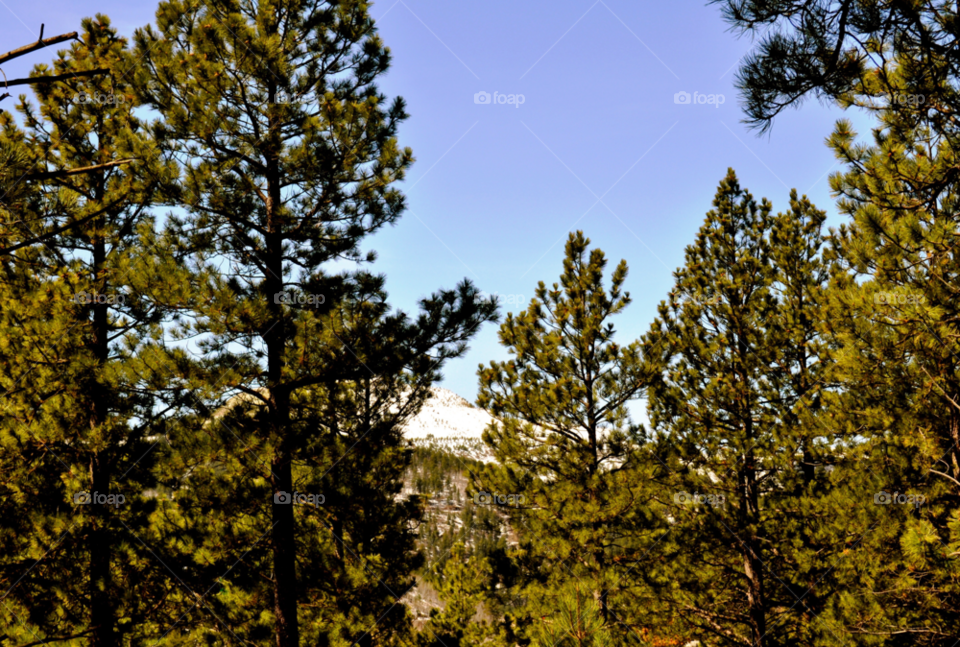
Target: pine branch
[53,78]
[946,476]
[47,641]
[50,175]
[40,44]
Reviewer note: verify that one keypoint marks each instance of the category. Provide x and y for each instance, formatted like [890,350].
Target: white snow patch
[447,415]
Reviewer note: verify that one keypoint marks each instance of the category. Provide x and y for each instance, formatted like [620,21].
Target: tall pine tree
[893,305]
[291,160]
[85,377]
[567,444]
[741,369]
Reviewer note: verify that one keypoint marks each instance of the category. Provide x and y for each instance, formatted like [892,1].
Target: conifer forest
[209,402]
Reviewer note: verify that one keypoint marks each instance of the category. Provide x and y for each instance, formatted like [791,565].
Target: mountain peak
[447,415]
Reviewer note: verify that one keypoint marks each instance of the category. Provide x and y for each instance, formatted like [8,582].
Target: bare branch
[40,44]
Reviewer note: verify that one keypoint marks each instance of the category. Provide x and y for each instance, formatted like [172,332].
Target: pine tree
[740,363]
[575,621]
[892,306]
[566,444]
[85,379]
[290,159]
[20,224]
[893,311]
[883,58]
[463,582]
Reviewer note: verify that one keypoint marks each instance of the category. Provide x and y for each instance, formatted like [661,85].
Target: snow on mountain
[447,415]
[446,421]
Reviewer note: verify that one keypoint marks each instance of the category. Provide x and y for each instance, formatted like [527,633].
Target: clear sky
[598,143]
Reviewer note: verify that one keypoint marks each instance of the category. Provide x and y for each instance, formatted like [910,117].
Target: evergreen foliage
[290,159]
[85,373]
[882,57]
[566,443]
[463,583]
[737,351]
[892,306]
[236,380]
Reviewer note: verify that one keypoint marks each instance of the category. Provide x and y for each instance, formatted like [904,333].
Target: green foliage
[892,308]
[441,477]
[463,582]
[794,379]
[290,160]
[575,620]
[85,376]
[882,57]
[566,443]
[894,313]
[741,365]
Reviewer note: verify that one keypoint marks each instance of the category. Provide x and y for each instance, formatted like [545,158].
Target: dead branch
[40,44]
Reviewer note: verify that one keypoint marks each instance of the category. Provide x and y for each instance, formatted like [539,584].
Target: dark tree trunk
[275,337]
[102,614]
[750,551]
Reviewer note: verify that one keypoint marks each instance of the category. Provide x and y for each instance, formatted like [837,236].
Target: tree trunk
[101,582]
[284,559]
[283,532]
[955,437]
[750,551]
[275,337]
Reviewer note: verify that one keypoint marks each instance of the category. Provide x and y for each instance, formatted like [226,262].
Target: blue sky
[598,143]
